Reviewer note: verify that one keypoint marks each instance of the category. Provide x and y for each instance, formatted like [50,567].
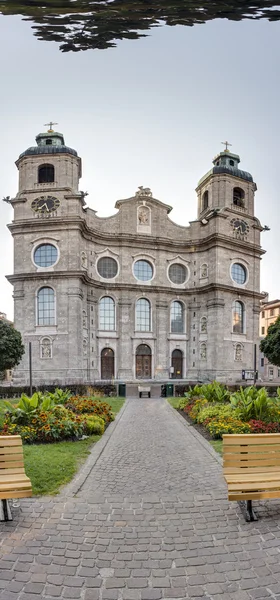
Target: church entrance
[143,362]
[177,364]
[107,363]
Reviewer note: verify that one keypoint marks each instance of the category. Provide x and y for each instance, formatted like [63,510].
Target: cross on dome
[226,144]
[50,125]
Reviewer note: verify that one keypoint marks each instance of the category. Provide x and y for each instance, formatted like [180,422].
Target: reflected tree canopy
[87,24]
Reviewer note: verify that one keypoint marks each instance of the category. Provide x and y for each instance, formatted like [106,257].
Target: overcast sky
[151,112]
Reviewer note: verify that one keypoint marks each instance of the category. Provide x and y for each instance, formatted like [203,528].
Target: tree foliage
[270,345]
[11,346]
[89,24]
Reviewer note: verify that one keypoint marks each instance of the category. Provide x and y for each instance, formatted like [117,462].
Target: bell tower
[226,186]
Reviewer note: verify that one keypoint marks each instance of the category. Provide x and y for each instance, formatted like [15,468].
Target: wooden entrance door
[177,364]
[107,363]
[143,362]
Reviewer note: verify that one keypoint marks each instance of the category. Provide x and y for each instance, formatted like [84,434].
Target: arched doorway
[177,364]
[107,363]
[143,362]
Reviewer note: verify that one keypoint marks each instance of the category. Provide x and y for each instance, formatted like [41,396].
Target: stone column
[161,327]
[125,358]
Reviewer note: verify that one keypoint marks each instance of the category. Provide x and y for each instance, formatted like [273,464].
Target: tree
[11,346]
[270,345]
[89,24]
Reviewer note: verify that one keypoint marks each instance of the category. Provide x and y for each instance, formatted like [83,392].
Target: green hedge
[15,391]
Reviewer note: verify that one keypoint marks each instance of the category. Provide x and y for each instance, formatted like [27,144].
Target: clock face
[240,228]
[45,204]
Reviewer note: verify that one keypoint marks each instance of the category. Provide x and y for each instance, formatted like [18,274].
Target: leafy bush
[215,392]
[94,425]
[57,424]
[213,412]
[85,405]
[258,426]
[253,404]
[193,408]
[59,396]
[217,427]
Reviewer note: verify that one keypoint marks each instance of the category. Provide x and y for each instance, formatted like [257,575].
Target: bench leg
[5,511]
[247,510]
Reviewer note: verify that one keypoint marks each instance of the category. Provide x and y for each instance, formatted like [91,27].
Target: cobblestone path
[151,521]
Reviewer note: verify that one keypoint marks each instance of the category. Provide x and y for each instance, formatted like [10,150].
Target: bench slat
[253,495]
[253,486]
[250,469]
[11,450]
[12,440]
[239,478]
[269,462]
[19,494]
[14,485]
[252,449]
[238,439]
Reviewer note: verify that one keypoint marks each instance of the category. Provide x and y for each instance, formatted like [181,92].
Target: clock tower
[48,278]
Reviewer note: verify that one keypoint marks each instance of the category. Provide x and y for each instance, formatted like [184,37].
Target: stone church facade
[133,296]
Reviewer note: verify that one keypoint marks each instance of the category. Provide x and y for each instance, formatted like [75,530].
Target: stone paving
[150,522]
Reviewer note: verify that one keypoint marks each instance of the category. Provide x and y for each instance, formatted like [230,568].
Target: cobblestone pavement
[151,521]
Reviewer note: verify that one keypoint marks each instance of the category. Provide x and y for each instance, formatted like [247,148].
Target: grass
[174,402]
[50,466]
[217,445]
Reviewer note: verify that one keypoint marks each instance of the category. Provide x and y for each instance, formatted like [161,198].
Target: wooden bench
[252,468]
[144,389]
[14,483]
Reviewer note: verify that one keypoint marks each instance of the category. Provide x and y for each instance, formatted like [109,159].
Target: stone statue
[204,271]
[238,352]
[143,215]
[46,349]
[143,192]
[84,260]
[203,352]
[203,325]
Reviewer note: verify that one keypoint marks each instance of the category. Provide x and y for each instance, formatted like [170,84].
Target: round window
[238,273]
[45,255]
[177,273]
[107,267]
[143,270]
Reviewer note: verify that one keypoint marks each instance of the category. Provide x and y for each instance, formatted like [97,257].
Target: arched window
[49,142]
[238,317]
[203,324]
[107,363]
[46,348]
[45,306]
[177,364]
[107,314]
[203,351]
[177,317]
[238,196]
[46,174]
[205,200]
[238,352]
[143,315]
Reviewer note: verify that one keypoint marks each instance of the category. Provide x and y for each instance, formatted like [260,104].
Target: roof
[233,171]
[48,150]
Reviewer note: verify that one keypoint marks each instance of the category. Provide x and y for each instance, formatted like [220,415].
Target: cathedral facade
[133,296]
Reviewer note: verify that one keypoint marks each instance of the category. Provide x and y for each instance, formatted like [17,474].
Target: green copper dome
[49,142]
[227,162]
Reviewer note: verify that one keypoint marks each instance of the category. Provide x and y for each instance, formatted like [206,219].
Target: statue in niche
[84,318]
[84,260]
[143,192]
[85,345]
[203,325]
[203,352]
[143,215]
[46,349]
[204,271]
[238,352]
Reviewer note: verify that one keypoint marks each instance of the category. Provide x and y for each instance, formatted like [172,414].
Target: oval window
[177,273]
[143,270]
[45,255]
[107,267]
[238,273]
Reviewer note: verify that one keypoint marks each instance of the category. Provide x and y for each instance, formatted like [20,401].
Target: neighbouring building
[270,311]
[135,295]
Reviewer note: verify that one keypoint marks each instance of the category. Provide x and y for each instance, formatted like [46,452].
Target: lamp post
[30,367]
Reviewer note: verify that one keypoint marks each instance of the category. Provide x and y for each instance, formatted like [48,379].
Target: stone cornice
[131,287]
[134,240]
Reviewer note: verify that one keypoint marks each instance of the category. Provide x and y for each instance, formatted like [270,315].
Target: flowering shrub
[258,426]
[57,424]
[94,425]
[194,407]
[84,404]
[214,412]
[217,427]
